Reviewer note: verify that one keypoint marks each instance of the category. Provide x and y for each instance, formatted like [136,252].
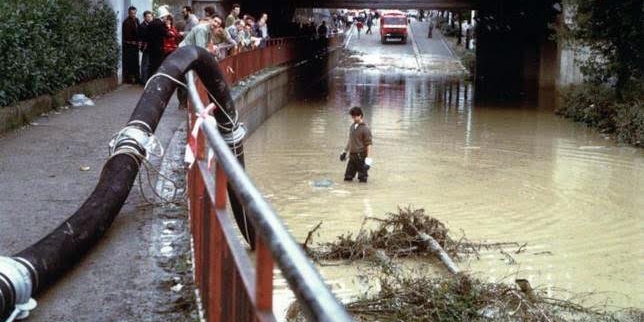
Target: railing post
[206,258]
[218,247]
[264,282]
[197,193]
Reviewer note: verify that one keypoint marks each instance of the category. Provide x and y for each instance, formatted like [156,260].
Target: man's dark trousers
[130,63]
[356,164]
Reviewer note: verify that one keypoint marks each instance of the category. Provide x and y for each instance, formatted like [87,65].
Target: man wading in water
[357,147]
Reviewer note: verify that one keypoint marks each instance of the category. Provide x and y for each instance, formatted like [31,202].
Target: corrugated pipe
[30,271]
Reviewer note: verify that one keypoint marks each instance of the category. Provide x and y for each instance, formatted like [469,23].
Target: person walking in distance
[369,25]
[358,147]
[131,47]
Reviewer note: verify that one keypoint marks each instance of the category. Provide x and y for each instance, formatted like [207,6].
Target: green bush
[47,45]
[597,106]
[629,123]
[591,104]
[449,31]
[468,57]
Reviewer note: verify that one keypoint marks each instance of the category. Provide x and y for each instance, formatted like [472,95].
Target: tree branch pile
[399,234]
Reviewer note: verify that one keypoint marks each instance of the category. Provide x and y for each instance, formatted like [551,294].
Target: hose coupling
[136,139]
[16,287]
[236,136]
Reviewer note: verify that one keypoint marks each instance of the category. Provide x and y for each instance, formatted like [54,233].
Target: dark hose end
[7,296]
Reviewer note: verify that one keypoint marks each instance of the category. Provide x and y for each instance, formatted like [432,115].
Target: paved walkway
[435,54]
[41,185]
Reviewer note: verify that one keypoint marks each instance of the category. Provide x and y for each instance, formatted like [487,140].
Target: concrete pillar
[548,65]
[472,14]
[449,18]
[514,58]
[499,60]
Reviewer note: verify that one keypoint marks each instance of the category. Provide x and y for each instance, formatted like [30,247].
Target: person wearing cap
[155,33]
[360,141]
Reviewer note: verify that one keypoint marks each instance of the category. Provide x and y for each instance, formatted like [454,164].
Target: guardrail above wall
[274,52]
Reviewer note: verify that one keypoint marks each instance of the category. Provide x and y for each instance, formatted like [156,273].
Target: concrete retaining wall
[24,111]
[259,96]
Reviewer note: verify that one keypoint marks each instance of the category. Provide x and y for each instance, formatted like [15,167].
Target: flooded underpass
[508,173]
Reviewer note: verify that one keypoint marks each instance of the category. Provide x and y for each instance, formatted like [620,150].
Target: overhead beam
[384,4]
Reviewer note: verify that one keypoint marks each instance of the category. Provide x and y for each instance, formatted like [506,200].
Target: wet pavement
[418,55]
[434,54]
[41,184]
[512,173]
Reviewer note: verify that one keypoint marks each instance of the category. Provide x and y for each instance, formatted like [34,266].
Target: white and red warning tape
[191,147]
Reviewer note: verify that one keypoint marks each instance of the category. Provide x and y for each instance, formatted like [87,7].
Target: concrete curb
[419,59]
[23,112]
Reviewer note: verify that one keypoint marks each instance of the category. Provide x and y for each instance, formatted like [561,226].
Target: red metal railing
[243,64]
[231,287]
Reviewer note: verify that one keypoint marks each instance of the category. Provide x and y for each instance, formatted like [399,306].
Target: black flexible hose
[50,257]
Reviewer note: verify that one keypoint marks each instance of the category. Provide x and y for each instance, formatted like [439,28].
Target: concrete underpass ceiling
[386,4]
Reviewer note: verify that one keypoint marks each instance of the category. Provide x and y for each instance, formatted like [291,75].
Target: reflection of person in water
[357,147]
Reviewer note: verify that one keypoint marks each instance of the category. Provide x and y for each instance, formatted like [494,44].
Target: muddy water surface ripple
[497,173]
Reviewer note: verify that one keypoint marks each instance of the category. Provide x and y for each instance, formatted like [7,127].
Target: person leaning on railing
[221,38]
[200,36]
[262,30]
[236,32]
[252,39]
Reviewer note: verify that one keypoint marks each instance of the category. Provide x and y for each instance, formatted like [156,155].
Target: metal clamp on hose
[136,139]
[236,136]
[16,287]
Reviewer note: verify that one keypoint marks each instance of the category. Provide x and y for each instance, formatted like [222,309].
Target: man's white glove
[368,161]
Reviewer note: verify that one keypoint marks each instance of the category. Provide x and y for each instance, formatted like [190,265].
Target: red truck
[393,24]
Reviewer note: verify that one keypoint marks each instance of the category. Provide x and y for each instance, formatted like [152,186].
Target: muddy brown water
[497,173]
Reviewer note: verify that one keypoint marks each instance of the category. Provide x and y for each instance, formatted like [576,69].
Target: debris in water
[85,168]
[398,235]
[414,297]
[411,295]
[324,183]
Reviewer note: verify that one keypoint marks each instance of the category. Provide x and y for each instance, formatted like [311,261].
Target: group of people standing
[157,37]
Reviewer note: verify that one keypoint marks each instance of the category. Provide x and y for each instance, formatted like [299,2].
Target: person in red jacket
[171,39]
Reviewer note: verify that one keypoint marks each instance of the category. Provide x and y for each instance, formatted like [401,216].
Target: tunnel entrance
[516,59]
